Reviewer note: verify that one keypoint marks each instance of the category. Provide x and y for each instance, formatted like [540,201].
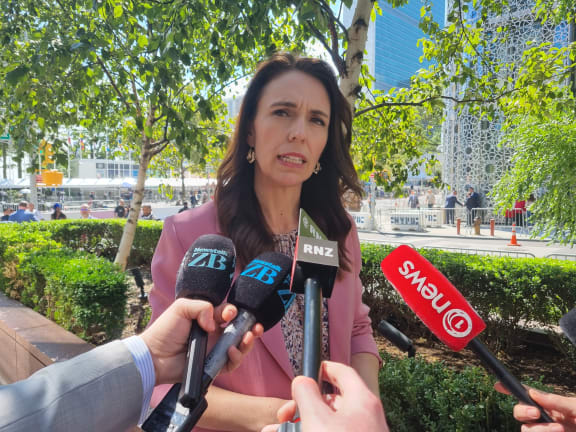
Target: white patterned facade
[471,155]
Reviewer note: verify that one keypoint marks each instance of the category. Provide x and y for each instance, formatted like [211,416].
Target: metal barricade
[513,254]
[561,256]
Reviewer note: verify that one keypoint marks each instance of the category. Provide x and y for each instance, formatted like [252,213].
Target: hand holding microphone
[354,408]
[205,273]
[561,408]
[446,313]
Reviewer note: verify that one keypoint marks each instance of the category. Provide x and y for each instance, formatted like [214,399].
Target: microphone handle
[191,390]
[399,339]
[193,416]
[312,328]
[233,334]
[508,380]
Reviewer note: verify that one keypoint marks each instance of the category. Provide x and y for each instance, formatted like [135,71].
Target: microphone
[568,325]
[446,313]
[397,338]
[318,258]
[205,273]
[257,295]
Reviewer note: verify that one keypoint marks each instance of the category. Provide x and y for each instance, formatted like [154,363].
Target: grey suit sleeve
[100,390]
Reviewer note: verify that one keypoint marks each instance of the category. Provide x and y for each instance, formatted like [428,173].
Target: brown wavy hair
[239,212]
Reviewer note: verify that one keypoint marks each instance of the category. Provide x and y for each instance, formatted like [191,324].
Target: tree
[142,59]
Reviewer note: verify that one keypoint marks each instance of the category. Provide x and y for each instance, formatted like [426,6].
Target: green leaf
[118,11]
[142,41]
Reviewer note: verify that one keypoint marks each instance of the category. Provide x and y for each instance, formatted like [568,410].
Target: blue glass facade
[397,56]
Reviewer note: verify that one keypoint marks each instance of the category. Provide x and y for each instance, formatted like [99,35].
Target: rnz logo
[456,322]
[262,271]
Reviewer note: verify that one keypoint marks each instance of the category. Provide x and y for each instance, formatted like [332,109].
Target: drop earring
[251,156]
[317,168]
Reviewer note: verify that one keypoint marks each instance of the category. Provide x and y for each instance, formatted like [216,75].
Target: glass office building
[396,50]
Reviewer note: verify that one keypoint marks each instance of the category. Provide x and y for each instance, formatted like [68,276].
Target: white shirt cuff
[143,361]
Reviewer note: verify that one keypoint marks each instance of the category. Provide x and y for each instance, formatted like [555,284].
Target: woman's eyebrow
[293,105]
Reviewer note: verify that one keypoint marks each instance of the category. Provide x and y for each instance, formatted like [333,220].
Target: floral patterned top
[293,322]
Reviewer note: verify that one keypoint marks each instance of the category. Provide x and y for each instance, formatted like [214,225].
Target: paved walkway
[445,237]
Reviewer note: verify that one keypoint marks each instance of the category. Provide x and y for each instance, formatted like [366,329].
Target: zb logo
[210,260]
[263,271]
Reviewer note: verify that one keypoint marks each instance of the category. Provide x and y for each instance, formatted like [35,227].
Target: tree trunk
[357,36]
[4,161]
[135,205]
[182,171]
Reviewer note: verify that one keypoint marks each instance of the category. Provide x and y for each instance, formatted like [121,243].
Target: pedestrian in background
[57,214]
[184,208]
[430,198]
[450,205]
[34,211]
[22,214]
[85,212]
[413,200]
[120,210]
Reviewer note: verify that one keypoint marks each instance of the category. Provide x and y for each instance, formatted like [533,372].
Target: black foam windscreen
[260,286]
[568,325]
[207,269]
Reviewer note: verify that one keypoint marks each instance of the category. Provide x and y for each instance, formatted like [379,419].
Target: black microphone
[256,295]
[318,258]
[205,273]
[568,325]
[398,339]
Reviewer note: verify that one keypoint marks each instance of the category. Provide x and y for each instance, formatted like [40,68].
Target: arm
[366,365]
[236,412]
[365,358]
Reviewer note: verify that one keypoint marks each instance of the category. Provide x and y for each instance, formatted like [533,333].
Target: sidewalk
[445,237]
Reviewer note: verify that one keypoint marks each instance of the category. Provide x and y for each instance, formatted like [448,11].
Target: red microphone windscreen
[432,297]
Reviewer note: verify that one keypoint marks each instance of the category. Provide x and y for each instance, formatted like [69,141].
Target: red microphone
[446,313]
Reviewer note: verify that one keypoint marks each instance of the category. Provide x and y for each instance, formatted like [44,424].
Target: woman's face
[290,130]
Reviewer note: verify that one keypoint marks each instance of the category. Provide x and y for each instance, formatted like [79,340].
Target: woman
[57,213]
[290,150]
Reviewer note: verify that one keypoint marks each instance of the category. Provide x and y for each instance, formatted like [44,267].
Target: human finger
[344,378]
[551,401]
[270,428]
[526,413]
[224,313]
[287,411]
[499,387]
[308,398]
[542,427]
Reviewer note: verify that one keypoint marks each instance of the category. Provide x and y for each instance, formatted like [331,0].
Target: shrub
[102,237]
[80,292]
[422,396]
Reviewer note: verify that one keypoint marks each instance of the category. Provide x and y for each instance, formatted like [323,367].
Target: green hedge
[102,237]
[81,292]
[422,396]
[506,292]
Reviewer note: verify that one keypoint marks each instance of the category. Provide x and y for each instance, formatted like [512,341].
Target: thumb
[308,398]
[550,401]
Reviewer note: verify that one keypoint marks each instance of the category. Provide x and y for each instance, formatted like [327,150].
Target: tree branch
[333,54]
[431,98]
[107,72]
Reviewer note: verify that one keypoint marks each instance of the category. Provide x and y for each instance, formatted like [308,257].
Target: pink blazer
[266,370]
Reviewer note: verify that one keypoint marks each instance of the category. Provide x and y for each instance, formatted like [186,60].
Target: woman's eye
[319,121]
[280,112]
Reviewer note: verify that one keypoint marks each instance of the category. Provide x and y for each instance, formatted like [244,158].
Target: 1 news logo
[456,322]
